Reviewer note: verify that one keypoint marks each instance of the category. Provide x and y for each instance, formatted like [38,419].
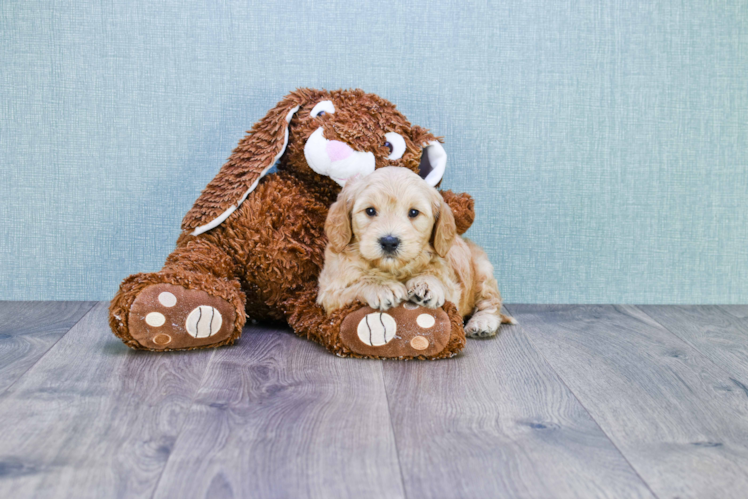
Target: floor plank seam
[93,305]
[560,378]
[392,429]
[694,347]
[181,427]
[721,307]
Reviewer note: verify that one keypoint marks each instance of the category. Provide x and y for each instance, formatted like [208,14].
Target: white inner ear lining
[225,215]
[438,160]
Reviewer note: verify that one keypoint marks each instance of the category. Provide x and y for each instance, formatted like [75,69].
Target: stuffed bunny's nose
[337,150]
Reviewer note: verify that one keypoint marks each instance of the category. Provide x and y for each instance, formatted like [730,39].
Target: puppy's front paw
[426,291]
[385,295]
[483,324]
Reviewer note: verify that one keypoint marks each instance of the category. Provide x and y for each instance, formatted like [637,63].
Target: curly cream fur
[431,265]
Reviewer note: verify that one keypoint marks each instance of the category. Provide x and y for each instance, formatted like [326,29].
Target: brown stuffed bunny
[253,244]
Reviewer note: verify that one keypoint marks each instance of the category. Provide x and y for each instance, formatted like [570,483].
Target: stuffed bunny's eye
[322,108]
[396,144]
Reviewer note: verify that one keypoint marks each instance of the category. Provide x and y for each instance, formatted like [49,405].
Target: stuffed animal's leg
[403,332]
[194,302]
[308,319]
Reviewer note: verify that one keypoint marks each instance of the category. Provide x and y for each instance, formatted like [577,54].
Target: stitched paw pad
[404,331]
[168,316]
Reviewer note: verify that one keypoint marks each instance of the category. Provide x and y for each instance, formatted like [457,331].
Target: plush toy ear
[433,163]
[249,162]
[445,228]
[338,223]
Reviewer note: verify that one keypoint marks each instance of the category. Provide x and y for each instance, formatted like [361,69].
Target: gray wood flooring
[575,401]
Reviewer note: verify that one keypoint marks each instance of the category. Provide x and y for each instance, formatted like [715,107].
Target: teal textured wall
[606,143]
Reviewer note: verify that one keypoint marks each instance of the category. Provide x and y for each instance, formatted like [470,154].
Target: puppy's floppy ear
[445,228]
[248,163]
[338,223]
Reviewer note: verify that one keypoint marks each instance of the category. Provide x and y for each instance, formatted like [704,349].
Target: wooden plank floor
[575,401]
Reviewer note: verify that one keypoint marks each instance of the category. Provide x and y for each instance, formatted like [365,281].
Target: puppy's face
[393,216]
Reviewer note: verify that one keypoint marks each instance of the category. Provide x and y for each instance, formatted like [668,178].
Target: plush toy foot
[405,331]
[166,316]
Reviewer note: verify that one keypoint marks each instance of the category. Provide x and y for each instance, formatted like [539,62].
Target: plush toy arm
[308,319]
[463,209]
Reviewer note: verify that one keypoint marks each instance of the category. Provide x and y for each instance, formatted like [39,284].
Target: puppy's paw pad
[385,296]
[426,292]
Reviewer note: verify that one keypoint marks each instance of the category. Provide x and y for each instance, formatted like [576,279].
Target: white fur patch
[358,164]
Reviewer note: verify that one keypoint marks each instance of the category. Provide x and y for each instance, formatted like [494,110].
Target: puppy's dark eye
[388,145]
[413,213]
[371,212]
[321,113]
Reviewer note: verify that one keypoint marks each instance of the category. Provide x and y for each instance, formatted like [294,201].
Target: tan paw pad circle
[425,321]
[419,343]
[167,299]
[155,319]
[203,322]
[162,339]
[377,329]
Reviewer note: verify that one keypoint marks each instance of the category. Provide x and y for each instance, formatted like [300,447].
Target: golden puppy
[392,238]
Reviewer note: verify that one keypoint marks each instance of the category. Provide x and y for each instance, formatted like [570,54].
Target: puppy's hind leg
[487,315]
[486,322]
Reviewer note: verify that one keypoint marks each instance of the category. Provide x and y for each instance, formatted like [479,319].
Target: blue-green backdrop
[605,142]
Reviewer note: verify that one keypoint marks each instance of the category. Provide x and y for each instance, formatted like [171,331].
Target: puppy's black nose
[389,243]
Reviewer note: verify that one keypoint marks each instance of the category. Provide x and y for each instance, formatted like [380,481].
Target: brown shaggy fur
[264,259]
